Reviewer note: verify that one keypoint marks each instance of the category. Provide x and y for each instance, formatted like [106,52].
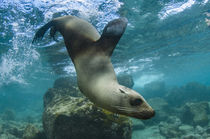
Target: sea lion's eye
[136,102]
[122,91]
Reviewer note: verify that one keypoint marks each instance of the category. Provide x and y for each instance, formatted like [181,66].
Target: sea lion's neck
[96,76]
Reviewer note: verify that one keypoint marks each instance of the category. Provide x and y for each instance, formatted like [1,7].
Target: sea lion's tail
[40,33]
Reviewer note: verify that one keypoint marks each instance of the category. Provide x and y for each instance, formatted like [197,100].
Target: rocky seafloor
[13,128]
[181,112]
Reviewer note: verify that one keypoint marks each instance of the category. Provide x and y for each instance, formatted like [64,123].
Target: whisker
[124,108]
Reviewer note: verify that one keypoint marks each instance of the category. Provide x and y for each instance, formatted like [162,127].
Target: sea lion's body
[90,54]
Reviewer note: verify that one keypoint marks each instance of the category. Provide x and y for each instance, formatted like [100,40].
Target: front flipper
[112,34]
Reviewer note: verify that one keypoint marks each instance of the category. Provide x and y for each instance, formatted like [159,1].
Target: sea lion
[90,54]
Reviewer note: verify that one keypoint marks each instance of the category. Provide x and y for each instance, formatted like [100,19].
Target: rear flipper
[112,34]
[53,30]
[115,28]
[40,33]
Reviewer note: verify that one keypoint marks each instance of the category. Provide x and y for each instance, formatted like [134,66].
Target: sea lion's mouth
[147,115]
[144,115]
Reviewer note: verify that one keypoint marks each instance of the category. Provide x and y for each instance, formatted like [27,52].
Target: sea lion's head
[133,104]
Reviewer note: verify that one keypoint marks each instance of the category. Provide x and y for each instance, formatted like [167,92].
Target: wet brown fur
[91,54]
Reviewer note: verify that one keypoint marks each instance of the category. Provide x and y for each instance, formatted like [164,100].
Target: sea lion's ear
[112,34]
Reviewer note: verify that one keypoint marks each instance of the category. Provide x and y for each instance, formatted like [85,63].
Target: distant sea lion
[90,54]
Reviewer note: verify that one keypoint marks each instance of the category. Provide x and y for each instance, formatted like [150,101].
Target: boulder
[199,130]
[174,120]
[137,124]
[150,132]
[161,110]
[208,130]
[30,132]
[195,113]
[7,136]
[192,136]
[8,115]
[65,82]
[126,80]
[169,130]
[186,129]
[69,116]
[13,128]
[154,89]
[191,92]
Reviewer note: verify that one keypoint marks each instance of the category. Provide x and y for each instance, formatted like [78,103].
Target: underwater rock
[60,93]
[65,82]
[1,130]
[30,132]
[174,120]
[192,136]
[29,119]
[8,115]
[199,130]
[137,124]
[150,132]
[158,103]
[66,116]
[186,129]
[13,128]
[208,130]
[169,130]
[17,130]
[7,136]
[68,85]
[195,113]
[126,80]
[154,89]
[161,109]
[191,92]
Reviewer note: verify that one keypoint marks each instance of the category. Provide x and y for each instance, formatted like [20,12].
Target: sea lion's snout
[146,115]
[144,112]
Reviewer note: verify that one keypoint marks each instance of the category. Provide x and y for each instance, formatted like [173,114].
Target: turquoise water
[165,41]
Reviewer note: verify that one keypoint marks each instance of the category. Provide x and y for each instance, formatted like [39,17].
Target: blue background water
[164,41]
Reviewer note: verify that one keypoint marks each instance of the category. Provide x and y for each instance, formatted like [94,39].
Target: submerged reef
[68,114]
[190,121]
[8,115]
[125,80]
[191,92]
[177,96]
[20,130]
[181,112]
